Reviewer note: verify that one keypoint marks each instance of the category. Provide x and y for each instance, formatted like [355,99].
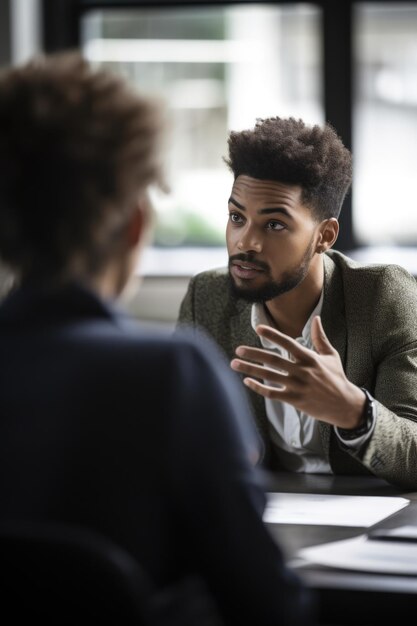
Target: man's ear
[136,226]
[327,235]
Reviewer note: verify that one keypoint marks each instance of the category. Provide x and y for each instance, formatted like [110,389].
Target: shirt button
[293,443]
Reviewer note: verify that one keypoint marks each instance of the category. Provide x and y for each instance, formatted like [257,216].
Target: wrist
[366,419]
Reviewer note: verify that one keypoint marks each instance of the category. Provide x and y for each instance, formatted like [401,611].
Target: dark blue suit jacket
[143,436]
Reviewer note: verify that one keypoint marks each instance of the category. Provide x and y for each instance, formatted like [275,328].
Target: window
[385,125]
[220,68]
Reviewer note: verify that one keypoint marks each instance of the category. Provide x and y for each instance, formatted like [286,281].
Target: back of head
[290,152]
[77,148]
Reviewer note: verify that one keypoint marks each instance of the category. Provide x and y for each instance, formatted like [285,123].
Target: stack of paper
[330,510]
[364,554]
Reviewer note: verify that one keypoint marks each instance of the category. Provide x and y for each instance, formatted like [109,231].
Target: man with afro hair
[326,347]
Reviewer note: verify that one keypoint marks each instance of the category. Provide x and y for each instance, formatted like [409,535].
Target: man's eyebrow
[275,210]
[262,211]
[236,203]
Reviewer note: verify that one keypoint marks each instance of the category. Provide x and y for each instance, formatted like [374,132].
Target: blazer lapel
[334,324]
[333,311]
[242,333]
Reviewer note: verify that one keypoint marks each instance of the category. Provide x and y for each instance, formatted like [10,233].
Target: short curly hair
[77,147]
[288,151]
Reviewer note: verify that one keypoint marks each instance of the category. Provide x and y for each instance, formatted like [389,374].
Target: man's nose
[249,242]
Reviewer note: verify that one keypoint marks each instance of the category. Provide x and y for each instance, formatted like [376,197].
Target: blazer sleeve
[392,449]
[186,315]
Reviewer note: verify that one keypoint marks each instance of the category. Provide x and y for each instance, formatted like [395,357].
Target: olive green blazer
[370,316]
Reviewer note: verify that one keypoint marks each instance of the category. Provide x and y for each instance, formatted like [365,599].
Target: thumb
[319,337]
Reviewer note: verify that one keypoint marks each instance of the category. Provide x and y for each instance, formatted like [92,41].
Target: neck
[109,283]
[291,310]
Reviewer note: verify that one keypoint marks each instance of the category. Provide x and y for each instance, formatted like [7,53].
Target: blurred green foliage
[186,228]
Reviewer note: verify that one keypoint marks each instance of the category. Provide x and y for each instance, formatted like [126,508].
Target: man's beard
[272,289]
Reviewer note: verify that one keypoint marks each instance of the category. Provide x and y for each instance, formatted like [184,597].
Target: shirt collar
[260,316]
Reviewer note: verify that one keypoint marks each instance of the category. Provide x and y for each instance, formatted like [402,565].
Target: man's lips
[245,270]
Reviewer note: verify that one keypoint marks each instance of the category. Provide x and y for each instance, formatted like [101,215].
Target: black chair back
[66,575]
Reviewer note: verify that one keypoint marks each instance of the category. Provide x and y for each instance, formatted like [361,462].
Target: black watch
[366,423]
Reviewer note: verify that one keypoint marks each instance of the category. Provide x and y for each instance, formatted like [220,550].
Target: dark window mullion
[338,97]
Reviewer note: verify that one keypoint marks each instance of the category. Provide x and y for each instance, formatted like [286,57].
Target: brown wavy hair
[288,151]
[77,147]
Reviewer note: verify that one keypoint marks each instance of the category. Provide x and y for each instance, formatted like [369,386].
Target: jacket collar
[34,305]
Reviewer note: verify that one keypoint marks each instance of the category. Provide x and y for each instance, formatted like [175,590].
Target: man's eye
[272,225]
[235,217]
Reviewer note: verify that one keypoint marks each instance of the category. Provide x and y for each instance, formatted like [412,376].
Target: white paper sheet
[363,554]
[330,510]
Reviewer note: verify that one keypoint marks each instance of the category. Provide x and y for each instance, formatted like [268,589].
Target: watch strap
[366,423]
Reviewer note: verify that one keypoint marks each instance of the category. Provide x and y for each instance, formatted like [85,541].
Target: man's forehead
[265,190]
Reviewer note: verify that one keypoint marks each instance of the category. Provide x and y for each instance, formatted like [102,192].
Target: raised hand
[312,381]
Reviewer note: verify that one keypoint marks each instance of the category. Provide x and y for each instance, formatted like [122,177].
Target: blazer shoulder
[210,304]
[211,279]
[379,296]
[351,269]
[211,290]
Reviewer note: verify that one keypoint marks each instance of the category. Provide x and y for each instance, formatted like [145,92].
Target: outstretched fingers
[259,371]
[296,350]
[268,391]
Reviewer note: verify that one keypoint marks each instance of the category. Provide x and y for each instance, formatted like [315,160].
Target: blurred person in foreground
[173,483]
[326,346]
